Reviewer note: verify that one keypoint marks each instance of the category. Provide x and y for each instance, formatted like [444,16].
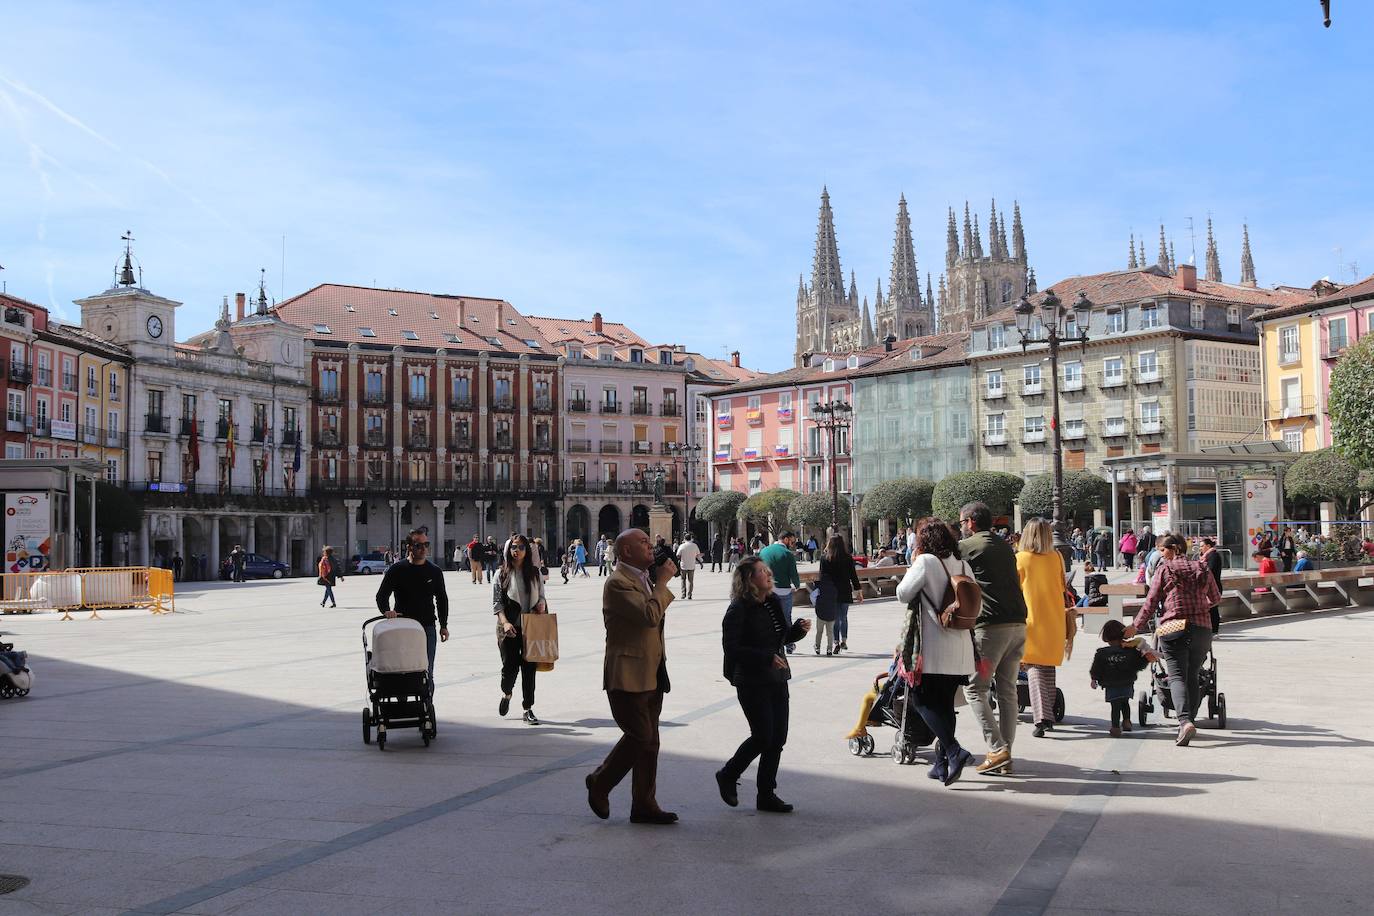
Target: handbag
[962,602]
[540,632]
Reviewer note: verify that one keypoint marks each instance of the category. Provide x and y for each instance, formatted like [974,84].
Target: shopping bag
[541,637]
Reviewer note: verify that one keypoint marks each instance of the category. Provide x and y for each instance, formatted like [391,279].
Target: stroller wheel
[1058,705]
[424,736]
[1221,710]
[25,692]
[868,745]
[1142,709]
[856,746]
[367,726]
[381,741]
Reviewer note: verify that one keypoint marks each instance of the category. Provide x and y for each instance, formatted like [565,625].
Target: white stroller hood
[398,645]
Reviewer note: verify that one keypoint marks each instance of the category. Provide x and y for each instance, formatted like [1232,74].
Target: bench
[875,581]
[1246,595]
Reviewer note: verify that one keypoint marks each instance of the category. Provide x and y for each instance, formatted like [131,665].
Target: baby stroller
[1159,690]
[888,704]
[15,676]
[397,680]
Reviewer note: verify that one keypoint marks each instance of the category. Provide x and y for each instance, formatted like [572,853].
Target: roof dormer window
[349,308]
[665,357]
[410,335]
[852,362]
[366,332]
[636,355]
[574,351]
[434,315]
[323,329]
[915,353]
[453,338]
[828,365]
[607,354]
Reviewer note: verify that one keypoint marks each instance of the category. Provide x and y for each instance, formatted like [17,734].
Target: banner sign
[28,532]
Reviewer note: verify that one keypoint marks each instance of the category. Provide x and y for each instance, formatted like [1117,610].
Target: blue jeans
[431,643]
[841,622]
[786,602]
[328,595]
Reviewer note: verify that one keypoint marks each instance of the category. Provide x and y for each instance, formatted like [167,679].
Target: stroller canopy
[398,645]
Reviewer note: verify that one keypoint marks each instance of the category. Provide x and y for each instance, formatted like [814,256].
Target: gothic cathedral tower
[826,314]
[904,314]
[978,283]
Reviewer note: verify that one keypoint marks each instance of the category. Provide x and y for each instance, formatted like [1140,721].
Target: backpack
[963,600]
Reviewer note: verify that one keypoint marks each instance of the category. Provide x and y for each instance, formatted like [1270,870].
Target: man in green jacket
[783,562]
[999,634]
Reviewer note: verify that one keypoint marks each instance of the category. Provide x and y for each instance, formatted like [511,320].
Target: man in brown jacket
[635,678]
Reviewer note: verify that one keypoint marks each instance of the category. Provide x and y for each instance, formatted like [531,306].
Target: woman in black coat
[839,583]
[755,635]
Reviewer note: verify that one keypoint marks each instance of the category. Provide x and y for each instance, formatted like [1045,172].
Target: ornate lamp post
[688,456]
[1062,325]
[833,417]
[653,478]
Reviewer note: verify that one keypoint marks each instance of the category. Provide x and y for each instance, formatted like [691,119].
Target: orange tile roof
[329,305]
[582,330]
[1346,294]
[1152,283]
[938,351]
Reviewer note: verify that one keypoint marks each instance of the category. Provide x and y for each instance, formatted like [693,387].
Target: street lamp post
[833,417]
[687,455]
[1055,317]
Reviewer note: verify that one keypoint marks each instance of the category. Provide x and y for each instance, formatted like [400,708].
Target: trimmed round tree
[812,511]
[1350,405]
[1325,475]
[1083,492]
[901,499]
[996,488]
[720,508]
[768,509]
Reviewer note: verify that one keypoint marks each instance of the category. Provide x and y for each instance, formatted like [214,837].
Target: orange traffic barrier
[88,588]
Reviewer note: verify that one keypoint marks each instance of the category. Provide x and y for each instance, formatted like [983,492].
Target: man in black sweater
[419,588]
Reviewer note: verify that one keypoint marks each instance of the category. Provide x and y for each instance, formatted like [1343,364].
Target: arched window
[911,330]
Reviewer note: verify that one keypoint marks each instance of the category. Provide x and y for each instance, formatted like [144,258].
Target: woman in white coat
[937,660]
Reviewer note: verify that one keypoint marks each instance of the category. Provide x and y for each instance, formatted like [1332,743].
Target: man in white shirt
[910,544]
[687,555]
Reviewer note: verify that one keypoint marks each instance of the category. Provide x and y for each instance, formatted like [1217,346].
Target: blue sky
[663,163]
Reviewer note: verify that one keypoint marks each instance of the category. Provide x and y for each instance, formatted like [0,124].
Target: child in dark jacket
[1114,669]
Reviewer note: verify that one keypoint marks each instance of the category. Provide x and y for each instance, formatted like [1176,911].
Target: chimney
[806,360]
[734,358]
[500,315]
[240,300]
[462,314]
[596,322]
[1186,278]
[888,341]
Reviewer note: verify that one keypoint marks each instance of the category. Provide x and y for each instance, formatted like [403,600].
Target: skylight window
[453,338]
[349,308]
[494,341]
[392,313]
[410,335]
[510,321]
[367,332]
[532,344]
[434,315]
[474,318]
[323,329]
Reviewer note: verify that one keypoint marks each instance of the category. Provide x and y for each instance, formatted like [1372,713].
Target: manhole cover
[11,883]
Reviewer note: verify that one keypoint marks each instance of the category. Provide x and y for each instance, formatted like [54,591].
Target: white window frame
[1197,315]
[1149,317]
[1289,356]
[1112,379]
[994,390]
[1116,321]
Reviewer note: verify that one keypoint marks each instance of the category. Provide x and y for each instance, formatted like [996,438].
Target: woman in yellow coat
[1041,569]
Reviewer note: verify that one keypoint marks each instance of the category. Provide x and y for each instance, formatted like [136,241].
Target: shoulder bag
[962,601]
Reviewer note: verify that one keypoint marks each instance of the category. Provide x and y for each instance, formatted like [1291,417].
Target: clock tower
[130,315]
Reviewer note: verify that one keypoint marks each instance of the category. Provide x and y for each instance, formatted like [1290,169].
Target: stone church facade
[976,282]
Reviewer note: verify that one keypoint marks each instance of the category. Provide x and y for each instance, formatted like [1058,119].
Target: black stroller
[398,684]
[1159,691]
[887,704]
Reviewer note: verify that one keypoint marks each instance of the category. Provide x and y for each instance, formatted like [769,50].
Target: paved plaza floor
[212,761]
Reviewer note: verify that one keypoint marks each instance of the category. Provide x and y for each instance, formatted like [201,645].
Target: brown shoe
[995,762]
[653,817]
[601,807]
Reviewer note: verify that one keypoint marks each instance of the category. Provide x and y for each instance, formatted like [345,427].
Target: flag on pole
[229,446]
[296,464]
[195,446]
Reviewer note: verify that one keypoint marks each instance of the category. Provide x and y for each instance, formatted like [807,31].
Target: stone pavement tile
[231,902]
[295,903]
[139,842]
[117,890]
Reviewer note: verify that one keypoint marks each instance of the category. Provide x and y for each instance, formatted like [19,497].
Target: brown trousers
[637,750]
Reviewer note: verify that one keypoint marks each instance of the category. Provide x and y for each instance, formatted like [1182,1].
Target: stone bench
[876,582]
[1246,595]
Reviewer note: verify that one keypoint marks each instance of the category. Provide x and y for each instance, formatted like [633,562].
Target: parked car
[369,563]
[257,566]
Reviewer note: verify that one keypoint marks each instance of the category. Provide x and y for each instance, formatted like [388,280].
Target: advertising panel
[28,532]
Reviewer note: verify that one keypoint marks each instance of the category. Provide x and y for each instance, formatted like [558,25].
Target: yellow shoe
[996,762]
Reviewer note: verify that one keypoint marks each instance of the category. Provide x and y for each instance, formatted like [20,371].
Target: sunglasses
[419,544]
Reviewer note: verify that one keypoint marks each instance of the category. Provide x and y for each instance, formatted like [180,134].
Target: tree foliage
[1350,404]
[768,509]
[1083,492]
[902,499]
[1325,475]
[720,507]
[812,511]
[996,488]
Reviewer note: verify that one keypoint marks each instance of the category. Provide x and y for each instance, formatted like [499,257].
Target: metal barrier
[88,588]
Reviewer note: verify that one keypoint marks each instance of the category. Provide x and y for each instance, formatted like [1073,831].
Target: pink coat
[1128,543]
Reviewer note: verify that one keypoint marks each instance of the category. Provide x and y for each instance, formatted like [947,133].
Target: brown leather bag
[962,602]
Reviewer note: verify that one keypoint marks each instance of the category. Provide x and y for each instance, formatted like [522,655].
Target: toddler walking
[1114,669]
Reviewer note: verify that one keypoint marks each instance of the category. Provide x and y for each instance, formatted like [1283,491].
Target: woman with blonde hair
[1041,570]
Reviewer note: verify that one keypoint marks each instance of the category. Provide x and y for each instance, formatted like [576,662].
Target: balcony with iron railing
[326,396]
[42,426]
[222,428]
[610,406]
[1073,431]
[1029,388]
[260,434]
[375,398]
[1147,375]
[725,421]
[1292,408]
[542,405]
[1335,346]
[641,408]
[157,423]
[374,438]
[327,438]
[669,409]
[754,416]
[991,393]
[17,422]
[1114,428]
[641,447]
[15,316]
[503,405]
[417,441]
[1071,383]
[290,436]
[1111,379]
[460,402]
[579,406]
[543,446]
[502,441]
[113,395]
[418,399]
[42,377]
[579,446]
[1149,426]
[612,447]
[186,426]
[21,373]
[69,381]
[995,437]
[1033,435]
[460,444]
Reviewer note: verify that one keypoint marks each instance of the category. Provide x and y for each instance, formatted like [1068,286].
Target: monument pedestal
[660,523]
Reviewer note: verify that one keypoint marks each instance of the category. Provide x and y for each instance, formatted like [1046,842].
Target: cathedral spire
[904,282]
[1030,283]
[993,250]
[951,241]
[1173,261]
[967,248]
[1247,263]
[1002,233]
[878,298]
[977,239]
[827,279]
[1130,262]
[1143,261]
[866,337]
[1213,261]
[853,291]
[1163,261]
[930,297]
[1018,234]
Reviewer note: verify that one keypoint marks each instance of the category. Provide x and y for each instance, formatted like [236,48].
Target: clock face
[154,326]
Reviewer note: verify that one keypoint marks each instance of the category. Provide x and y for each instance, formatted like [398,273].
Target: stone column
[179,546]
[144,558]
[482,395]
[523,474]
[1115,511]
[283,524]
[350,525]
[1170,497]
[398,422]
[351,433]
[523,507]
[436,537]
[441,391]
[250,525]
[482,517]
[212,565]
[394,534]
